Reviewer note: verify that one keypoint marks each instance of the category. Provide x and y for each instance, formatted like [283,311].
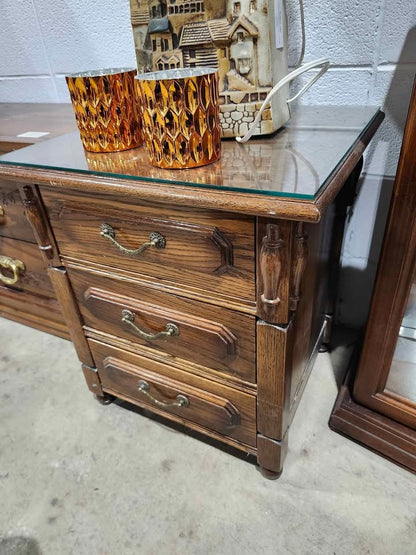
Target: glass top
[296,161]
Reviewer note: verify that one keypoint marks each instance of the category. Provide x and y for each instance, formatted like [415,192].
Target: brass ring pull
[155,240]
[181,400]
[128,318]
[14,266]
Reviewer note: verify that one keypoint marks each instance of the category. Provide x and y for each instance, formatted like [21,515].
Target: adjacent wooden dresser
[201,295]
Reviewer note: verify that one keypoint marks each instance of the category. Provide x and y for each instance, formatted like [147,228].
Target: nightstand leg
[269,474]
[271,455]
[105,398]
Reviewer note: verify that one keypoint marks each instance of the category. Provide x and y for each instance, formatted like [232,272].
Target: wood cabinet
[201,295]
[377,407]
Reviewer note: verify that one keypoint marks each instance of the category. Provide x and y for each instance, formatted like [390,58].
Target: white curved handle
[324,62]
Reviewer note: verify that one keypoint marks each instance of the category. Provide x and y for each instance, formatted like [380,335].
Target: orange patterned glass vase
[106,109]
[180,115]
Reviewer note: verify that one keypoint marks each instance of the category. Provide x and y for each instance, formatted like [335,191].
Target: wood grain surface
[209,251]
[211,405]
[210,336]
[34,278]
[250,311]
[13,222]
[65,295]
[37,311]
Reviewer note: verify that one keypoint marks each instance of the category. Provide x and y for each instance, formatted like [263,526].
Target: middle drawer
[216,338]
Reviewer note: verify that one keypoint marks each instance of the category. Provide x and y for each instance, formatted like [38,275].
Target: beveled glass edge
[101,72]
[178,73]
[191,185]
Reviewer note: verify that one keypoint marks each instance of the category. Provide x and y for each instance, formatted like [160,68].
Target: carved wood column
[65,295]
[299,262]
[274,241]
[35,213]
[36,216]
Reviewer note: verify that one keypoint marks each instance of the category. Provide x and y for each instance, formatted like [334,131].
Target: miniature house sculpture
[236,38]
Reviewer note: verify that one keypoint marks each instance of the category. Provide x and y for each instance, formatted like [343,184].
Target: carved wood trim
[226,249]
[299,263]
[65,296]
[274,240]
[271,265]
[39,222]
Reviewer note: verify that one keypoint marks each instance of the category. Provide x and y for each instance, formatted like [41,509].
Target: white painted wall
[372,47]
[371,43]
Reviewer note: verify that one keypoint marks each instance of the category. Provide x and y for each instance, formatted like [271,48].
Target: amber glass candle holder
[106,109]
[180,116]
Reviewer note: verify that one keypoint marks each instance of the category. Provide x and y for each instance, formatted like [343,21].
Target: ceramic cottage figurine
[237,38]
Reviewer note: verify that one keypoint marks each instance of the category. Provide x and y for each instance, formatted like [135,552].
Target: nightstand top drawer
[205,253]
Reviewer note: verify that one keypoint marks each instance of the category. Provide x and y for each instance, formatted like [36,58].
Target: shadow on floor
[344,351]
[178,428]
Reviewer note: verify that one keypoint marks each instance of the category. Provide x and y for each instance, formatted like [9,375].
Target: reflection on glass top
[295,162]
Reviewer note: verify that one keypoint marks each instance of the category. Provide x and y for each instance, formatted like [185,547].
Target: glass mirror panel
[402,375]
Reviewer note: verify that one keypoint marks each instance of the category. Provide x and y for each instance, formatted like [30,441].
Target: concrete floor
[80,478]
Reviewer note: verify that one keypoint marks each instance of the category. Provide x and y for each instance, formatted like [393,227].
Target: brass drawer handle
[155,240]
[14,266]
[128,318]
[1,210]
[181,400]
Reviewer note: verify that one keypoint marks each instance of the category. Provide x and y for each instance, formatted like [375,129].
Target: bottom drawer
[191,400]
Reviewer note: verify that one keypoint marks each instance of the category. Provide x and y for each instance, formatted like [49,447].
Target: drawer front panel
[43,313]
[213,337]
[13,222]
[201,250]
[31,273]
[225,410]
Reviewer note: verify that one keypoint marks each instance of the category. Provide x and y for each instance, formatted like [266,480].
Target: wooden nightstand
[202,295]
